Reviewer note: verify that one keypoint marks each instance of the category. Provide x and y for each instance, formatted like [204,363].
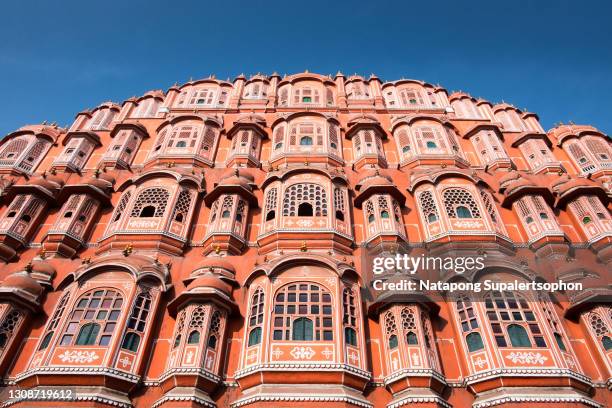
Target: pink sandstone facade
[205,246]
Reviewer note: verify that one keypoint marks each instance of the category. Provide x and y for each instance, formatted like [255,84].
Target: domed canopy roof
[210,281]
[235,182]
[567,188]
[99,184]
[373,182]
[23,281]
[46,186]
[208,287]
[515,185]
[213,265]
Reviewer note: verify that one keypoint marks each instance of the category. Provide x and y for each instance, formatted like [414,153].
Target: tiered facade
[204,247]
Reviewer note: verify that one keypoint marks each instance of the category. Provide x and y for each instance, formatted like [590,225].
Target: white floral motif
[301,353]
[468,224]
[78,356]
[305,223]
[125,361]
[527,358]
[480,362]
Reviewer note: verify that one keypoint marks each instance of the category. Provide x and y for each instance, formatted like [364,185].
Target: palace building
[206,246]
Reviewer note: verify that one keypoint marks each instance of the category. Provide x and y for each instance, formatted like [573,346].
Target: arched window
[254,336]
[350,336]
[391,330]
[302,329]
[306,141]
[8,326]
[305,210]
[349,319]
[552,319]
[94,318]
[310,193]
[183,204]
[137,322]
[384,214]
[122,205]
[88,335]
[339,204]
[518,336]
[474,341]
[256,317]
[151,203]
[54,321]
[601,330]
[428,207]
[409,326]
[393,341]
[148,211]
[215,330]
[469,324]
[510,316]
[180,324]
[459,203]
[196,324]
[131,342]
[463,212]
[311,303]
[194,337]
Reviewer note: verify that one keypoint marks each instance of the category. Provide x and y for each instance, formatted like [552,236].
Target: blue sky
[551,57]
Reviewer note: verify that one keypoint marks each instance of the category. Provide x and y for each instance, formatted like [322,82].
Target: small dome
[509,177]
[374,178]
[210,281]
[103,181]
[514,181]
[565,185]
[214,263]
[48,182]
[23,281]
[42,267]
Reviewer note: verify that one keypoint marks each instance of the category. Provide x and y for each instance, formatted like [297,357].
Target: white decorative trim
[527,357]
[527,372]
[407,372]
[537,398]
[190,398]
[78,356]
[79,371]
[194,371]
[419,400]
[302,367]
[76,398]
[302,398]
